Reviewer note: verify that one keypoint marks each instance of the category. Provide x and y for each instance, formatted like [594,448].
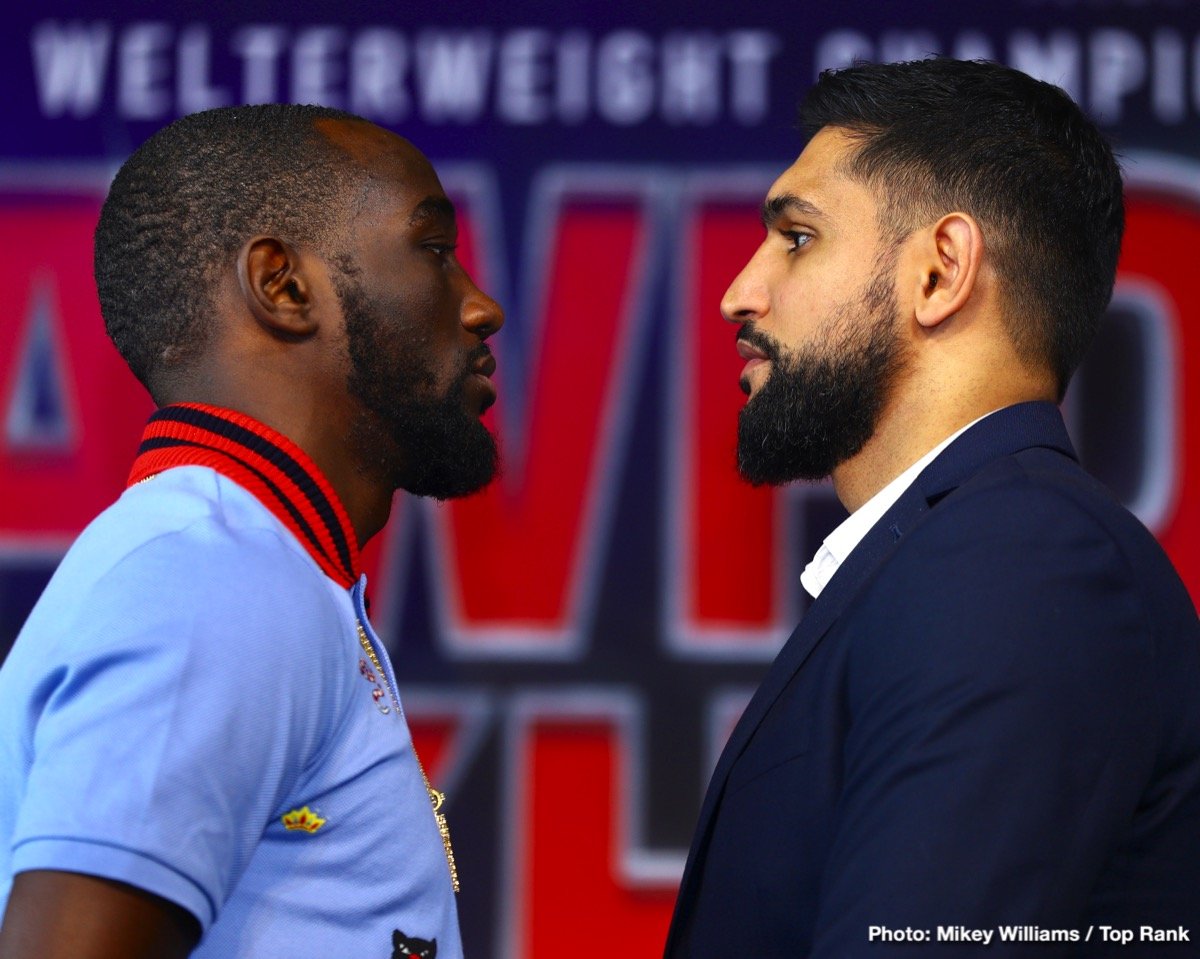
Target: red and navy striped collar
[267,464]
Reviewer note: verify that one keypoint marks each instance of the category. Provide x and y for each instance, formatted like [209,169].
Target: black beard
[820,405]
[423,443]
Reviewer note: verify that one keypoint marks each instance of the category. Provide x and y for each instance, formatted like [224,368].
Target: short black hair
[182,205]
[1017,154]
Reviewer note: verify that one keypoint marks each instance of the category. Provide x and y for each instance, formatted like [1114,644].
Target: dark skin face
[282,353]
[399,245]
[402,243]
[415,325]
[282,356]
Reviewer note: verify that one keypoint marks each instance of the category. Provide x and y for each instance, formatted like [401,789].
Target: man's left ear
[947,266]
[275,287]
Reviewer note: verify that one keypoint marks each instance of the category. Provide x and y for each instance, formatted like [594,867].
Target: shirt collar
[266,464]
[841,542]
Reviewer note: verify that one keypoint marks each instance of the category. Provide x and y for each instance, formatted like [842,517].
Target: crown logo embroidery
[303,819]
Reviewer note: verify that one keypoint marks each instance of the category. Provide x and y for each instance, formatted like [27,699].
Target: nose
[480,314]
[747,298]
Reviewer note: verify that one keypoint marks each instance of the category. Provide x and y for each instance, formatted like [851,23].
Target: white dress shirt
[841,542]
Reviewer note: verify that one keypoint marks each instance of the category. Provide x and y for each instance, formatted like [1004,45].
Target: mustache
[761,342]
[482,351]
[471,361]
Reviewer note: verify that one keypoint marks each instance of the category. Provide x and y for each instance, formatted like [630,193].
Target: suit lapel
[874,548]
[1003,433]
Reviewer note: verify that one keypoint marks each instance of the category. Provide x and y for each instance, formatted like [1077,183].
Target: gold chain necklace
[435,798]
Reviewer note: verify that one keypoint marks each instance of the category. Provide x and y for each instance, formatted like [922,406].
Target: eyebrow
[432,208]
[776,206]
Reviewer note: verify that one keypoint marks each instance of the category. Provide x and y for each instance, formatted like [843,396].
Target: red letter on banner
[1161,236]
[52,485]
[577,884]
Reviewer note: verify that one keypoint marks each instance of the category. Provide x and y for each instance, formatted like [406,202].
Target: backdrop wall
[574,643]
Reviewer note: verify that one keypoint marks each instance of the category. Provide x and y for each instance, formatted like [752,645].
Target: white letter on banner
[70,63]
[142,69]
[840,49]
[316,74]
[259,47]
[1057,60]
[1118,67]
[750,53]
[572,89]
[624,82]
[452,75]
[521,95]
[691,78]
[195,90]
[378,62]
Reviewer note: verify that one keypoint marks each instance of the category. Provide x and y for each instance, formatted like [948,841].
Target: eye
[441,249]
[796,239]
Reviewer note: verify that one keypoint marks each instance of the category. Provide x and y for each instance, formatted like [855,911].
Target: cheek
[809,312]
[422,319]
[448,369]
[446,357]
[796,317]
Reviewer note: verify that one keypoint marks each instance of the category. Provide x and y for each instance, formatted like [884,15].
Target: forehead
[397,176]
[818,178]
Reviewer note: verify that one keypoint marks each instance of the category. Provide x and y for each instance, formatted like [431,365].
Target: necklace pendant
[436,798]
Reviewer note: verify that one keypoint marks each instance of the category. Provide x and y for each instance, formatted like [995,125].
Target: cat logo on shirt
[403,945]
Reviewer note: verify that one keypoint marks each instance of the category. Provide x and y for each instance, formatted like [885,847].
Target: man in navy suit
[985,733]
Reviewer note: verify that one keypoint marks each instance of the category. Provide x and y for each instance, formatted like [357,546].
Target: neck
[296,389]
[367,498]
[908,429]
[888,454]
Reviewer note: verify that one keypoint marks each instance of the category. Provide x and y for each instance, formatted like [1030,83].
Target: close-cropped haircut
[939,135]
[182,205]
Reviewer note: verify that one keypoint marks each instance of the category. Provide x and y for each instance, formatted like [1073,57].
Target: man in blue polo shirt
[202,750]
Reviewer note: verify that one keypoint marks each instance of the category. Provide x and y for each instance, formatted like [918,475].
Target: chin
[464,463]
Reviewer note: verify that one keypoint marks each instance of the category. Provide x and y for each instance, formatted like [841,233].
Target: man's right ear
[947,260]
[275,288]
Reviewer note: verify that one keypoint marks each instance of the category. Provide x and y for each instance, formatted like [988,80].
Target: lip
[481,373]
[754,359]
[747,351]
[485,366]
[744,378]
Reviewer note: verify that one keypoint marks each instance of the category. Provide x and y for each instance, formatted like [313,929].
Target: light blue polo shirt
[189,680]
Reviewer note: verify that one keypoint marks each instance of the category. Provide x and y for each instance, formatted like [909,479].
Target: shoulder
[192,539]
[189,569]
[1028,569]
[1039,508]
[187,659]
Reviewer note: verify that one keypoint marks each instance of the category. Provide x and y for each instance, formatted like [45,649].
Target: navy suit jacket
[989,718]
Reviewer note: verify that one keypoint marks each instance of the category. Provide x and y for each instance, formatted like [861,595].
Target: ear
[275,288]
[947,266]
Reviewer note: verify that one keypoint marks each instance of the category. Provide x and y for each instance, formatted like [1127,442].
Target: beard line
[820,405]
[424,443]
